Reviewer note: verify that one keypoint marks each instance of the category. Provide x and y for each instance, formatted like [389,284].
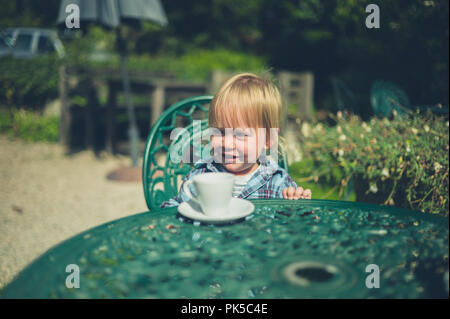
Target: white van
[29,42]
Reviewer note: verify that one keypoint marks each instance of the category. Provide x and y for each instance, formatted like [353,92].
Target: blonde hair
[253,99]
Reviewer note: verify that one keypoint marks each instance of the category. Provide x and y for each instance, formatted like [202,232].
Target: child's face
[237,148]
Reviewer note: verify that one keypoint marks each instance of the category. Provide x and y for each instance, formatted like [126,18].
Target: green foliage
[96,46]
[194,66]
[28,13]
[402,162]
[330,38]
[306,175]
[28,82]
[29,126]
[231,24]
[199,64]
[79,100]
[96,50]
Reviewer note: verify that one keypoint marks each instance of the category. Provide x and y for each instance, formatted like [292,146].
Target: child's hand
[292,193]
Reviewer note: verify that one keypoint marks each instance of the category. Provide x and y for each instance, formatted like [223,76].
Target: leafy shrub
[29,126]
[196,65]
[322,186]
[402,162]
[199,64]
[28,82]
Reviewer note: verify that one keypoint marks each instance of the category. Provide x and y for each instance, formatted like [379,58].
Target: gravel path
[47,197]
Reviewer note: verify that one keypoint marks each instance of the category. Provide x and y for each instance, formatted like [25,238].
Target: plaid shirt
[267,182]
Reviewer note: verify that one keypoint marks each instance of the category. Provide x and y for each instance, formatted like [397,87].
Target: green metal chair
[161,174]
[386,97]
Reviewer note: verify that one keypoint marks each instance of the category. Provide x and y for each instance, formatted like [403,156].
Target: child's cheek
[247,147]
[216,142]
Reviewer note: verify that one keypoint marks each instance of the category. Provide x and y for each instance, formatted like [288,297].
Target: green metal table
[285,249]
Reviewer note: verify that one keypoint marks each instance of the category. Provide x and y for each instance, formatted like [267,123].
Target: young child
[246,105]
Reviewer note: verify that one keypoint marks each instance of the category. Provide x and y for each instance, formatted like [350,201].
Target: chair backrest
[173,145]
[386,97]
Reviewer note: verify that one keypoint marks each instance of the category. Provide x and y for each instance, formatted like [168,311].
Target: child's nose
[228,141]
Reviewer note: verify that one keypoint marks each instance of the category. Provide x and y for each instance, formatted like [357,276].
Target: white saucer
[239,208]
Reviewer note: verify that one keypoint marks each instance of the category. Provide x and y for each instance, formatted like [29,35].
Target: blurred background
[366,109]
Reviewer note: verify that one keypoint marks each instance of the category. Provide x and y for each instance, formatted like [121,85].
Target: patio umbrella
[111,14]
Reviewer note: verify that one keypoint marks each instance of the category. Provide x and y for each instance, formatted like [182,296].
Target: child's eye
[240,134]
[217,132]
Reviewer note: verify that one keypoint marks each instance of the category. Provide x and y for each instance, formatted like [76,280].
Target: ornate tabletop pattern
[285,249]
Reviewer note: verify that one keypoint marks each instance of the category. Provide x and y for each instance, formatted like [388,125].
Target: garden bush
[322,186]
[96,49]
[28,83]
[29,126]
[403,161]
[194,66]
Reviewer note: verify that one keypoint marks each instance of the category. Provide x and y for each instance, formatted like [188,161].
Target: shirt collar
[267,166]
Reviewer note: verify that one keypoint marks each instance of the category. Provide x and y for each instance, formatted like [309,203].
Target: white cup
[214,192]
